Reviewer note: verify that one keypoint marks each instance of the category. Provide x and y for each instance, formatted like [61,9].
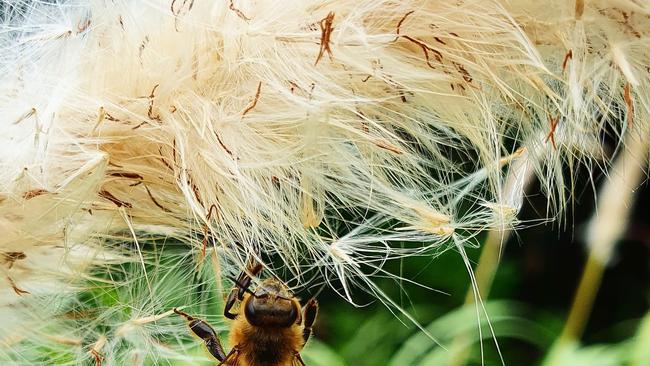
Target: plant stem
[583,301]
[518,178]
[605,229]
[485,270]
[488,263]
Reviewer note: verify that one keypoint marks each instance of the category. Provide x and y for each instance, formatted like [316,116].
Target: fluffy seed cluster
[331,136]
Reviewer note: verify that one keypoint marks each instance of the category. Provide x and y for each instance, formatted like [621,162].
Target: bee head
[271,305]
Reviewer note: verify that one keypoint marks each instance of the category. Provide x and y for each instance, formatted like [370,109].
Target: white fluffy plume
[316,132]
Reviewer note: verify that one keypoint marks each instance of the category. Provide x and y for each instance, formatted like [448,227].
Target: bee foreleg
[309,317]
[244,279]
[242,283]
[230,302]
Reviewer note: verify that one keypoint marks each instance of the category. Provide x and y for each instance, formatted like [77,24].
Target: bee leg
[299,358]
[203,330]
[215,348]
[234,354]
[242,282]
[309,317]
[244,279]
[230,302]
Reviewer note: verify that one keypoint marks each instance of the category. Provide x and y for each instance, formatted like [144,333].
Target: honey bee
[270,328]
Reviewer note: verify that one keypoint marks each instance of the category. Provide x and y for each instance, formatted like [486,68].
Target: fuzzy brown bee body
[261,346]
[270,328]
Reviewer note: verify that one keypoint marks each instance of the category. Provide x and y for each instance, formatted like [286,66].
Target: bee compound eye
[249,312]
[270,314]
[293,314]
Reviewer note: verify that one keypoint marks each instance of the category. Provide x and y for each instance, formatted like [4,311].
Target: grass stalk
[518,178]
[605,229]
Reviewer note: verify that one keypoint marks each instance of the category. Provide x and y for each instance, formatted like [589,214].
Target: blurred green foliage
[526,332]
